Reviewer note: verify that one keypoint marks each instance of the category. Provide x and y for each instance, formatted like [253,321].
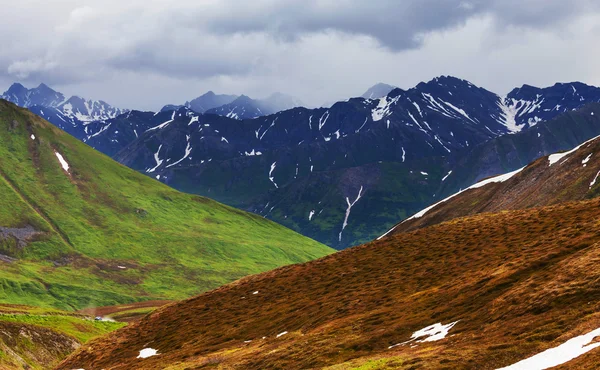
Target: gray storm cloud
[142,54]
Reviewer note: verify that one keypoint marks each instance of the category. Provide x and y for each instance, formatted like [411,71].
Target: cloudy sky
[143,54]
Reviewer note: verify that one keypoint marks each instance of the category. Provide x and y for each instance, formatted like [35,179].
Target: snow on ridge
[553,158]
[164,123]
[559,355]
[495,179]
[62,161]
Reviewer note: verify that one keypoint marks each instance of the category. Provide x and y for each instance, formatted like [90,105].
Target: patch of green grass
[110,235]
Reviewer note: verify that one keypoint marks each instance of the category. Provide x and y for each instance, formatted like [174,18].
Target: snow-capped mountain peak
[70,114]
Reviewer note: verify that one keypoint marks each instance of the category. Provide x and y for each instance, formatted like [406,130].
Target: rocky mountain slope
[78,229]
[487,291]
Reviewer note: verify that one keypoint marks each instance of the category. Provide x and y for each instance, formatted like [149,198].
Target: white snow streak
[163,124]
[62,161]
[594,181]
[157,159]
[363,125]
[323,121]
[350,205]
[431,333]
[271,174]
[586,160]
[188,150]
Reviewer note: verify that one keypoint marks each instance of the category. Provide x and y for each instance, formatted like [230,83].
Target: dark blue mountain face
[41,95]
[528,105]
[396,148]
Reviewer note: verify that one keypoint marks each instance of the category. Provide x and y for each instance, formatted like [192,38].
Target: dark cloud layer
[143,53]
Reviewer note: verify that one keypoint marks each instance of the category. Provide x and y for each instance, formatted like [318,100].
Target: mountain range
[237,107]
[484,255]
[500,276]
[345,174]
[69,114]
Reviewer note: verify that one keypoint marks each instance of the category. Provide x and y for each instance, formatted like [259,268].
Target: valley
[461,282]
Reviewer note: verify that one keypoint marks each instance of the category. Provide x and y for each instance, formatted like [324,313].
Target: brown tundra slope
[508,285]
[561,177]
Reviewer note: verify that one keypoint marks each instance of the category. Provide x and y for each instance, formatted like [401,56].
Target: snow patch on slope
[431,333]
[564,353]
[62,161]
[147,352]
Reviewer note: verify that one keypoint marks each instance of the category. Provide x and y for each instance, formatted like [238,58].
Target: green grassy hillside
[100,234]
